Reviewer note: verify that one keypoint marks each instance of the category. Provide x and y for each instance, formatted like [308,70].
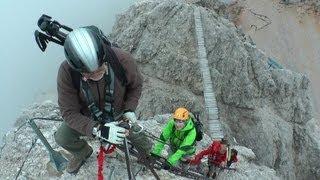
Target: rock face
[230,9]
[315,4]
[291,1]
[268,110]
[25,157]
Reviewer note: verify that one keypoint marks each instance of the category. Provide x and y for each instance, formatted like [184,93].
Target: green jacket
[181,141]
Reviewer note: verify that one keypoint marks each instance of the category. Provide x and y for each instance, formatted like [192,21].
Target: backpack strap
[106,115]
[95,111]
[75,76]
[79,84]
[108,97]
[185,133]
[118,69]
[228,153]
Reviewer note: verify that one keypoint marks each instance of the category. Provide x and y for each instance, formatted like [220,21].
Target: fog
[27,74]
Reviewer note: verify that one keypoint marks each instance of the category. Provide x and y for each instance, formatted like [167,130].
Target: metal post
[55,157]
[126,148]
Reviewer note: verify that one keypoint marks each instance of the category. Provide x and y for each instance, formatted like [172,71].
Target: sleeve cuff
[90,129]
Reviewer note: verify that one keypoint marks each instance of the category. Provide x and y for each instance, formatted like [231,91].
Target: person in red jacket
[217,157]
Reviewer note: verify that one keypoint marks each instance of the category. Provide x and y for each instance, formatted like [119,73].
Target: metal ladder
[215,129]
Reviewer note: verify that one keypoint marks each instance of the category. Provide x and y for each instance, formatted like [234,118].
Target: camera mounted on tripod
[52,31]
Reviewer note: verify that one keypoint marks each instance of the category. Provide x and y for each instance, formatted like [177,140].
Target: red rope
[101,156]
[110,150]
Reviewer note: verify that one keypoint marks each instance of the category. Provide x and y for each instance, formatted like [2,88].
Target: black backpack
[198,126]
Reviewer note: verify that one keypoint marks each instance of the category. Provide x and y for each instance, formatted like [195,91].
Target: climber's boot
[78,160]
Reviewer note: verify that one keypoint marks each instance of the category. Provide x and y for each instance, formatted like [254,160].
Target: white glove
[131,116]
[110,132]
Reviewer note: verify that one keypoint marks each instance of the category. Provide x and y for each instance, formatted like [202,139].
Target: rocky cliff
[264,109]
[23,156]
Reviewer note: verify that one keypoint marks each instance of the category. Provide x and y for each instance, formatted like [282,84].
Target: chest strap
[106,115]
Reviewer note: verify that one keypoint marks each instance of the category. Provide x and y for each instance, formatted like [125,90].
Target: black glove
[166,165]
[125,125]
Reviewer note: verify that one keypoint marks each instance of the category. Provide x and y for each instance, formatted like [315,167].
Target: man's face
[179,124]
[97,74]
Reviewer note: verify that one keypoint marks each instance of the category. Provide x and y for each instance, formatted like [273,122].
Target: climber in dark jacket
[87,53]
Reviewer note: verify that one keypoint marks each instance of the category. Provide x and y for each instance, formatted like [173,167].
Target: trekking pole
[125,144]
[127,153]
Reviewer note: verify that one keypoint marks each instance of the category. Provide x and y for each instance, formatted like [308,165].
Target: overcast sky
[25,71]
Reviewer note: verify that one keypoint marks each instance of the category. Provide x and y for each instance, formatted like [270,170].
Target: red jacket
[213,152]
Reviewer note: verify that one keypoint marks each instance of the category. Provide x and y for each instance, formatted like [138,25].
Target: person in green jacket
[181,133]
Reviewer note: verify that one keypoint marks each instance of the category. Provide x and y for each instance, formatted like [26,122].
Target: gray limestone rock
[264,109]
[25,157]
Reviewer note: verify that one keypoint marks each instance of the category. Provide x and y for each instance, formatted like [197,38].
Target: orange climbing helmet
[181,114]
